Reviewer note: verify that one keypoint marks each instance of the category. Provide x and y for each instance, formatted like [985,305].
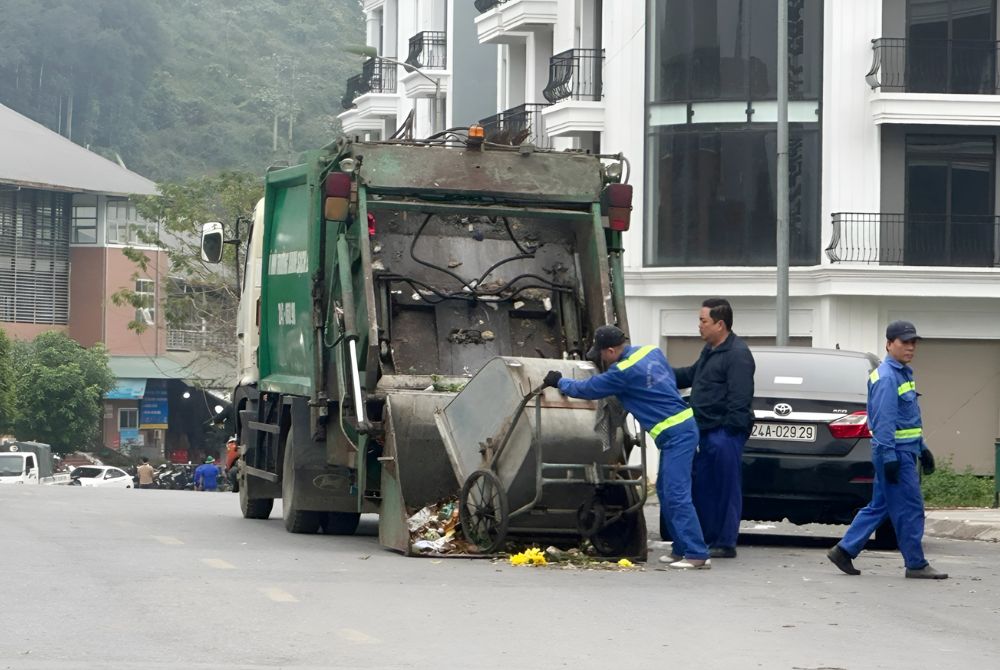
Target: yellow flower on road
[533,556]
[625,563]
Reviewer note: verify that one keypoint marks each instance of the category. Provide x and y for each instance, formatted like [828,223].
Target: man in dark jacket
[721,383]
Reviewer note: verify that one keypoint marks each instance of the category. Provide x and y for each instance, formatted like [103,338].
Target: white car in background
[100,475]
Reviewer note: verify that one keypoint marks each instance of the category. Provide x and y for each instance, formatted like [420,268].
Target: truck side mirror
[211,242]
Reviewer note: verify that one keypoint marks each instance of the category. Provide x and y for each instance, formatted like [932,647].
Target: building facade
[66,220]
[427,69]
[894,117]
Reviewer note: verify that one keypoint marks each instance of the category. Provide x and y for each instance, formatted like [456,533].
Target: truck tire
[340,523]
[296,520]
[254,508]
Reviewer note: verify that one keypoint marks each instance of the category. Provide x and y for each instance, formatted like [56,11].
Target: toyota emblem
[782,409]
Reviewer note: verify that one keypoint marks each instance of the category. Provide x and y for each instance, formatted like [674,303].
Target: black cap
[901,330]
[604,337]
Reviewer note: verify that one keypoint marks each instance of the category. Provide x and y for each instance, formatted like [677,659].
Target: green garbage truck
[382,276]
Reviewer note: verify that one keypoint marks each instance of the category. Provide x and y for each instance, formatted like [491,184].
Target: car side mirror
[211,242]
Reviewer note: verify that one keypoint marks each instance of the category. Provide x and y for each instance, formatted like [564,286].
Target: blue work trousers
[673,487]
[902,504]
[717,487]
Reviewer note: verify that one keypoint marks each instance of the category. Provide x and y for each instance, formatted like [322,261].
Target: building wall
[474,69]
[28,331]
[87,291]
[624,37]
[118,338]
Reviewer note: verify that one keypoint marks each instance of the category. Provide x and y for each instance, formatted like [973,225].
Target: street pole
[781,306]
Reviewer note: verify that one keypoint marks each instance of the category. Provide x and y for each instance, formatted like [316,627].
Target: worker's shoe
[670,558]
[926,572]
[842,560]
[692,564]
[722,552]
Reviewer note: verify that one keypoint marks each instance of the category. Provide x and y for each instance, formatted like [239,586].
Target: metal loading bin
[537,466]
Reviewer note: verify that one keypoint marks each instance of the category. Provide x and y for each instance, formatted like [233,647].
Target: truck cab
[26,463]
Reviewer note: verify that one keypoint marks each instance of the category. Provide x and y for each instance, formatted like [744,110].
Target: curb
[962,530]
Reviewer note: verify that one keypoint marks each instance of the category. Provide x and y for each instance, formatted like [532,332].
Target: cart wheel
[483,511]
[614,539]
[590,517]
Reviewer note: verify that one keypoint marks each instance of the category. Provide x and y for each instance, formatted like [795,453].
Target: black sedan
[808,458]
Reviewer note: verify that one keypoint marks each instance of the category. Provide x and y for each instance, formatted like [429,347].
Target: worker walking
[897,445]
[206,476]
[642,380]
[721,383]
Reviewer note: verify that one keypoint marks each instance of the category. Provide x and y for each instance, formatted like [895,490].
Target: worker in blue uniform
[643,381]
[897,445]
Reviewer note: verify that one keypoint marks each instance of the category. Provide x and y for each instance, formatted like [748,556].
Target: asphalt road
[168,579]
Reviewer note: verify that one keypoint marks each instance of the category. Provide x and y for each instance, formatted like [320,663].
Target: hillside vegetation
[181,88]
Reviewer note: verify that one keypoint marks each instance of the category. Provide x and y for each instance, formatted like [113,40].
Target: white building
[428,63]
[895,113]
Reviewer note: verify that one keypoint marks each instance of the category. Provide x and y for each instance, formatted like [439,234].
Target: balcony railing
[934,66]
[517,125]
[487,5]
[199,340]
[353,90]
[429,50]
[378,76]
[575,75]
[938,240]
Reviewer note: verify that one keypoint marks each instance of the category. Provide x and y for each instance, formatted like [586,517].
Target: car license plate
[792,432]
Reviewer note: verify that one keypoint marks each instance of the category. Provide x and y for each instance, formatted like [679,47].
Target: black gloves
[891,469]
[552,378]
[927,461]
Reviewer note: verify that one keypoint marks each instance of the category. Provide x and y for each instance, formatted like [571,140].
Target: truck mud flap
[415,468]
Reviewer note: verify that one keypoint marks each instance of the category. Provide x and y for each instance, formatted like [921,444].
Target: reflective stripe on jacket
[644,383]
[893,410]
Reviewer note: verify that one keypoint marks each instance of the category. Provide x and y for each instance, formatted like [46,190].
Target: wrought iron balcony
[934,66]
[486,5]
[575,74]
[429,49]
[938,240]
[354,86]
[378,76]
[517,125]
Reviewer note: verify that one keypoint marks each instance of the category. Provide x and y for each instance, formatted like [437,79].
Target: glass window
[125,226]
[128,417]
[145,290]
[84,219]
[713,195]
[727,49]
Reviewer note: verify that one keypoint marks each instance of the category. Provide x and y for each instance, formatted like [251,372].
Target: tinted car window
[810,373]
[87,472]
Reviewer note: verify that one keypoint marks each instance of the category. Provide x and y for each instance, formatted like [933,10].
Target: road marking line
[166,539]
[218,563]
[356,636]
[278,595]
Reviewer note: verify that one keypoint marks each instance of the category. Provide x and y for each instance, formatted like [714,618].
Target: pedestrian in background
[206,476]
[145,472]
[643,381]
[721,383]
[897,444]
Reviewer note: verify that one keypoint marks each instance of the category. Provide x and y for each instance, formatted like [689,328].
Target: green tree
[201,297]
[6,384]
[60,387]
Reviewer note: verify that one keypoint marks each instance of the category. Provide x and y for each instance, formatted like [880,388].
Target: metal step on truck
[381,279]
